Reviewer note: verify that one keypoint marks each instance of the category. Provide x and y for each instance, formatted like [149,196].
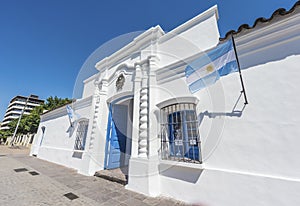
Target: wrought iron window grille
[180,139]
[81,134]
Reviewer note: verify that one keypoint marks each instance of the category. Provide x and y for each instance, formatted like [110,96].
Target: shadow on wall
[233,113]
[71,129]
[186,174]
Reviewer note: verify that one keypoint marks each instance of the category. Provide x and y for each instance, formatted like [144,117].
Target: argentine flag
[210,66]
[70,112]
[73,116]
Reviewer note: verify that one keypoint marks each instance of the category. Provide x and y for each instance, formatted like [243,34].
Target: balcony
[9,118]
[4,128]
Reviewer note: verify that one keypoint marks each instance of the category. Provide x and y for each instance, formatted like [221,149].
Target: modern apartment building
[17,105]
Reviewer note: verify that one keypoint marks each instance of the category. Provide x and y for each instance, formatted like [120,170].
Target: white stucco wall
[214,188]
[59,138]
[266,133]
[251,155]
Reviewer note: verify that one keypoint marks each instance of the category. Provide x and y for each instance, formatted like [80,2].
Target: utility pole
[20,117]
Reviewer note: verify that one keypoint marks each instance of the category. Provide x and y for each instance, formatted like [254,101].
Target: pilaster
[95,152]
[144,115]
[143,169]
[136,111]
[154,142]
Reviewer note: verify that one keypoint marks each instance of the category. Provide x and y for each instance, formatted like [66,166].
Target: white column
[94,116]
[143,133]
[154,142]
[136,112]
[95,152]
[143,170]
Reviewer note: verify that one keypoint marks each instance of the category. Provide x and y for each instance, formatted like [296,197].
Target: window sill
[79,151]
[182,164]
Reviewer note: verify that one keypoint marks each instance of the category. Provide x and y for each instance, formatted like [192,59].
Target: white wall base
[215,187]
[91,164]
[34,150]
[143,176]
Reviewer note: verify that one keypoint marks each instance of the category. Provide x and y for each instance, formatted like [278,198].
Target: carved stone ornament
[120,82]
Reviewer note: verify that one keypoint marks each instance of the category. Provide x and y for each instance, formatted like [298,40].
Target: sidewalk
[7,150]
[30,181]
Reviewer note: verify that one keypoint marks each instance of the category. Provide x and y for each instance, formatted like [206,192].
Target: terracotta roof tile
[278,12]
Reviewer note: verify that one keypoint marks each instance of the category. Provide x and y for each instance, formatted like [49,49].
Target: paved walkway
[30,181]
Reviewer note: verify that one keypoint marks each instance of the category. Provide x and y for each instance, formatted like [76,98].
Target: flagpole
[238,64]
[71,124]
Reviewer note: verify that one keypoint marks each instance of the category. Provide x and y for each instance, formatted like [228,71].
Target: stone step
[119,175]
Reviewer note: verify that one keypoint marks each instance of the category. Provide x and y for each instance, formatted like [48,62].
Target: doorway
[118,138]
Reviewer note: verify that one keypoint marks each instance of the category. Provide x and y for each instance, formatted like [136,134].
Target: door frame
[113,101]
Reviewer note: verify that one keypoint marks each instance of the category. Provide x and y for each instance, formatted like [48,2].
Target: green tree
[4,134]
[31,122]
[55,102]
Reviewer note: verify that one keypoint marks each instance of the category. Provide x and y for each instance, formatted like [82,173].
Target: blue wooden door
[116,137]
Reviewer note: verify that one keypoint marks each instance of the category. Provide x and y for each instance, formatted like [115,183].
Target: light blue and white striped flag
[73,116]
[70,112]
[209,67]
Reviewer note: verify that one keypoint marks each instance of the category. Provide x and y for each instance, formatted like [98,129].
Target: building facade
[16,107]
[208,147]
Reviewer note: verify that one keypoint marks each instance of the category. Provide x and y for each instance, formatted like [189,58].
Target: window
[43,135]
[81,135]
[180,139]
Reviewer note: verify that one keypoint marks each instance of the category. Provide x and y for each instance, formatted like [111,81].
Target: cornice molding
[91,78]
[82,103]
[271,29]
[142,41]
[278,33]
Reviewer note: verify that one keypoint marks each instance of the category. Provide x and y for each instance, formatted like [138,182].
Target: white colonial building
[207,148]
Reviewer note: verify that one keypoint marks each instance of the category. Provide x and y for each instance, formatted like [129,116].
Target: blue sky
[44,43]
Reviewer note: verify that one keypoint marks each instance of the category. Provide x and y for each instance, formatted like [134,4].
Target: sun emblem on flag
[209,68]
